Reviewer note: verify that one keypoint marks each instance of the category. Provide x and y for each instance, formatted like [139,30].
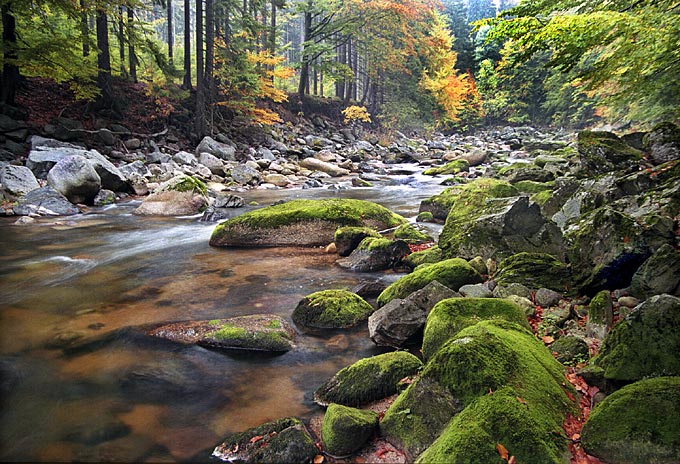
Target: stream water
[129,398]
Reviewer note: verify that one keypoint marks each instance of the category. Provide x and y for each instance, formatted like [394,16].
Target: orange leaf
[512,460]
[502,451]
[318,459]
[576,436]
[547,339]
[521,400]
[256,438]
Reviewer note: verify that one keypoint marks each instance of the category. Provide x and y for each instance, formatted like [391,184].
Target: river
[129,398]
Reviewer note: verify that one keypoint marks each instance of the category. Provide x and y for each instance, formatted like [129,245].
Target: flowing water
[84,280]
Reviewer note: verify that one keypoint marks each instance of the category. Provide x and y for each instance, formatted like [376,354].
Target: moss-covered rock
[513,394]
[429,256]
[600,315]
[448,317]
[603,152]
[368,379]
[348,238]
[182,195]
[284,440]
[663,142]
[375,254]
[534,270]
[345,429]
[425,216]
[467,198]
[411,234]
[659,274]
[452,167]
[331,309]
[530,186]
[257,332]
[645,344]
[452,273]
[638,423]
[570,350]
[301,223]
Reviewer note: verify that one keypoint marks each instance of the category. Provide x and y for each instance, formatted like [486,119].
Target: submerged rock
[284,440]
[368,379]
[346,429]
[331,309]
[638,423]
[301,223]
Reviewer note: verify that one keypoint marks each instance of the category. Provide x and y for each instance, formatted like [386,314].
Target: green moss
[189,184]
[534,270]
[541,197]
[349,233]
[425,216]
[450,316]
[373,244]
[452,167]
[368,379]
[530,186]
[638,423]
[600,310]
[411,234]
[505,170]
[453,273]
[525,409]
[331,309]
[345,429]
[466,205]
[238,337]
[570,350]
[429,256]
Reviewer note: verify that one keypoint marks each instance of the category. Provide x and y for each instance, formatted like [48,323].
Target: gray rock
[44,201]
[157,157]
[109,174]
[75,178]
[218,149]
[8,124]
[663,142]
[212,162]
[104,197]
[367,258]
[265,154]
[183,157]
[244,174]
[43,158]
[660,273]
[535,175]
[546,297]
[504,291]
[400,319]
[364,145]
[229,201]
[133,144]
[277,179]
[475,291]
[64,129]
[135,171]
[17,180]
[106,137]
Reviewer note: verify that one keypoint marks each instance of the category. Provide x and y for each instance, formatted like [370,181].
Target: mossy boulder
[331,309]
[428,256]
[257,332]
[570,350]
[513,394]
[180,196]
[600,315]
[368,379]
[453,273]
[348,238]
[448,317]
[645,344]
[345,430]
[530,186]
[425,216]
[375,254]
[638,423]
[452,167]
[301,223]
[604,152]
[659,274]
[411,234]
[284,440]
[534,270]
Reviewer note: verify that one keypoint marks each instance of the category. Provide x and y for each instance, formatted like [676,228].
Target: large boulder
[638,423]
[604,152]
[659,274]
[180,196]
[17,180]
[301,223]
[375,254]
[75,178]
[448,317]
[400,320]
[534,270]
[284,440]
[645,344]
[345,430]
[331,309]
[663,142]
[466,198]
[258,332]
[453,273]
[44,201]
[368,379]
[215,148]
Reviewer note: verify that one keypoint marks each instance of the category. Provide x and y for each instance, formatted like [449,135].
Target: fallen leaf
[512,460]
[256,438]
[318,459]
[547,339]
[521,400]
[502,451]
[576,437]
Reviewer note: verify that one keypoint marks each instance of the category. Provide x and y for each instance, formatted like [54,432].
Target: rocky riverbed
[556,250]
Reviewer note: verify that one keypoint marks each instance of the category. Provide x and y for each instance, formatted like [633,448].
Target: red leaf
[256,438]
[318,459]
[512,460]
[502,451]
[547,339]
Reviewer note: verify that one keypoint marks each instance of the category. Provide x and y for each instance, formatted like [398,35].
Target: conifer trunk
[186,84]
[10,71]
[132,58]
[171,33]
[103,61]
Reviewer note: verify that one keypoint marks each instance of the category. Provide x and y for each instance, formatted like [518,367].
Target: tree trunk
[303,86]
[103,61]
[209,55]
[348,86]
[171,33]
[84,29]
[272,31]
[186,84]
[199,114]
[121,42]
[132,58]
[10,71]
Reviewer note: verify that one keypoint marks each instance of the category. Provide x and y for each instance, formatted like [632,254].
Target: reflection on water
[86,280]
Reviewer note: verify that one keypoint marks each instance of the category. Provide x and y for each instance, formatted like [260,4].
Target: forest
[407,64]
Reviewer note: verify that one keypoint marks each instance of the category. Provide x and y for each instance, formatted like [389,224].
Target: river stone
[183,157]
[663,142]
[546,297]
[301,223]
[218,149]
[277,179]
[244,174]
[258,332]
[638,423]
[44,201]
[318,165]
[604,152]
[375,254]
[212,162]
[17,180]
[112,178]
[345,430]
[368,379]
[331,309]
[475,291]
[346,239]
[659,274]
[570,350]
[399,320]
[180,196]
[534,270]
[135,172]
[645,344]
[76,179]
[285,440]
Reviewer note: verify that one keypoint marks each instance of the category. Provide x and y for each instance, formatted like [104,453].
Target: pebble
[628,301]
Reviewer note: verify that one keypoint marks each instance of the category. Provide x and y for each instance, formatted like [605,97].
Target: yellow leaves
[356,113]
